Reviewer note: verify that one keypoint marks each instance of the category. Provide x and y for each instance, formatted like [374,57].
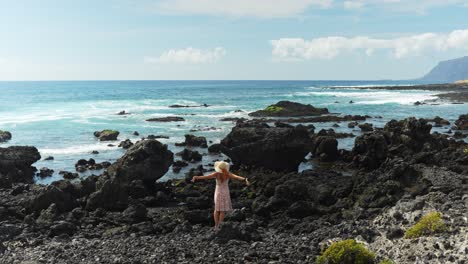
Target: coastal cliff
[448,71]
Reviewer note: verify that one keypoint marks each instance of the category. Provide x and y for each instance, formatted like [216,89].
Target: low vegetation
[273,109]
[429,224]
[346,252]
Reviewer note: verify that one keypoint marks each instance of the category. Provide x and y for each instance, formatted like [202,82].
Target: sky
[228,39]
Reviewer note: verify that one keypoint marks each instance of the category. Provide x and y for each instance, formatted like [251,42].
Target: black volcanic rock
[190,155]
[146,160]
[195,141]
[289,109]
[370,150]
[15,164]
[4,136]
[107,135]
[325,148]
[462,122]
[274,148]
[166,119]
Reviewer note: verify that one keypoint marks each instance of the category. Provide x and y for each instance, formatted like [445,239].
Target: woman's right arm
[210,176]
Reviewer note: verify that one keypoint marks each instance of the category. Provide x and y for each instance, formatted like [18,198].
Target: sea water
[59,118]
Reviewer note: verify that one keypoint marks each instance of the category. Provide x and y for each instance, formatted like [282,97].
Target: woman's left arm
[239,178]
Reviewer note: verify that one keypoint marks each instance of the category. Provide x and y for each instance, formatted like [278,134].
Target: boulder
[107,135]
[4,136]
[462,122]
[215,148]
[126,144]
[194,141]
[147,160]
[325,148]
[289,109]
[45,172]
[190,155]
[15,165]
[135,213]
[274,148]
[366,127]
[370,150]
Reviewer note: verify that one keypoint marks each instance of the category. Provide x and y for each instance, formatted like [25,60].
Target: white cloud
[402,47]
[418,6]
[188,55]
[239,8]
[353,4]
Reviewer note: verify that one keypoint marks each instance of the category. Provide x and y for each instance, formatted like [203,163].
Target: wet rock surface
[257,144]
[289,109]
[4,136]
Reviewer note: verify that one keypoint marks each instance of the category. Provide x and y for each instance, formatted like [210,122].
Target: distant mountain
[448,71]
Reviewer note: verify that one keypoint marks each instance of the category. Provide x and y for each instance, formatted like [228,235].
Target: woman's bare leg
[216,218]
[221,217]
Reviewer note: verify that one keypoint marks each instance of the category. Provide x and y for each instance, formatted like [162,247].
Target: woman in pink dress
[222,197]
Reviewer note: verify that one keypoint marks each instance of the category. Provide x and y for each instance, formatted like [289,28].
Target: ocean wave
[77,149]
[370,96]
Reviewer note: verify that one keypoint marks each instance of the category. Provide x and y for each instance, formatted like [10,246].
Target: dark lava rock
[107,135]
[366,127]
[62,227]
[462,122]
[135,133]
[290,109]
[45,172]
[126,144]
[4,136]
[352,124]
[147,161]
[166,119]
[325,148]
[331,133]
[95,152]
[439,121]
[281,124]
[69,175]
[238,231]
[49,158]
[123,113]
[135,213]
[215,148]
[232,119]
[194,141]
[190,155]
[186,106]
[274,148]
[15,165]
[156,137]
[370,150]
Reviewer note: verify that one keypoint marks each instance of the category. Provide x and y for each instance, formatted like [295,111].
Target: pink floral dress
[222,197]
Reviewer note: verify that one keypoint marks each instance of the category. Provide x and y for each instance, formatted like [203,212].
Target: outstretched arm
[209,176]
[239,178]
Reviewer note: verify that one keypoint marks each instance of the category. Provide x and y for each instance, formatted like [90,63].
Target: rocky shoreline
[373,194]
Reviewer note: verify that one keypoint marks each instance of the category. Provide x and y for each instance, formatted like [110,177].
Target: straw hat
[220,165]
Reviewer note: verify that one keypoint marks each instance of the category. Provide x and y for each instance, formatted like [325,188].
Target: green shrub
[273,109]
[429,224]
[465,150]
[346,252]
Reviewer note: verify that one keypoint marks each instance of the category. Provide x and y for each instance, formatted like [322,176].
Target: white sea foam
[76,149]
[369,96]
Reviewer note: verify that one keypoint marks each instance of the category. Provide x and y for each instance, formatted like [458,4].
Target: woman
[222,198]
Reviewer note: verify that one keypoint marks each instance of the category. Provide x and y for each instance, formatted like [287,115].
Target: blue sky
[225,39]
